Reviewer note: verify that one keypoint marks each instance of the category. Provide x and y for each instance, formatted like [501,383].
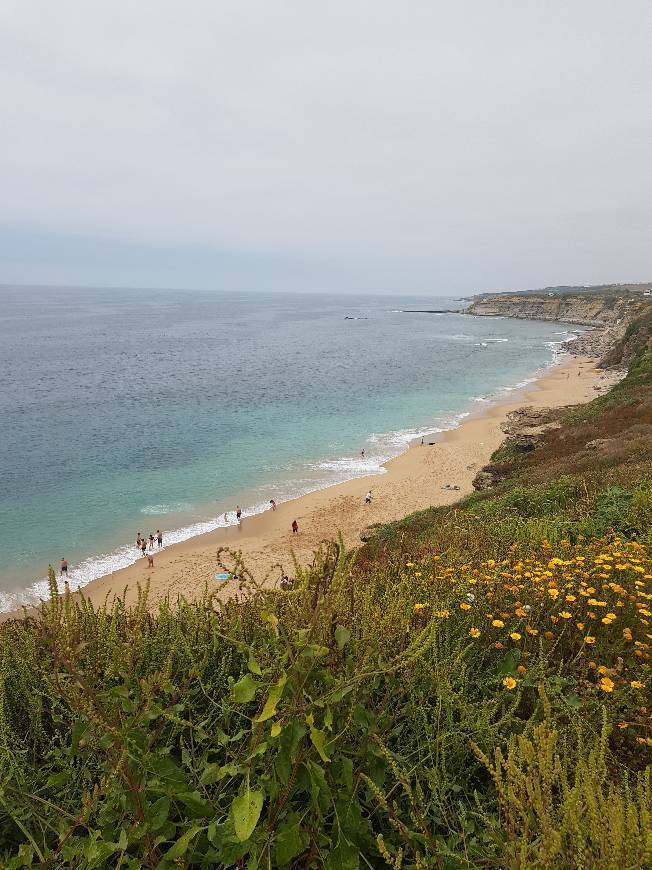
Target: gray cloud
[416,146]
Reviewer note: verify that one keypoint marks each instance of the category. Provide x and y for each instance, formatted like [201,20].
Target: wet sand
[412,481]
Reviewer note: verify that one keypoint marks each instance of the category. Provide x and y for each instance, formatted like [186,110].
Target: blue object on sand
[223,575]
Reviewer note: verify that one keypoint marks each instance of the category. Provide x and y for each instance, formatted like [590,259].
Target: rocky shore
[604,316]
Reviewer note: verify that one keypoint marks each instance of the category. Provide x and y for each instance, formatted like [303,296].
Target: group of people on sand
[145,542]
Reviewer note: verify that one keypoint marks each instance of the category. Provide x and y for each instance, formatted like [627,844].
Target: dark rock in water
[370,532]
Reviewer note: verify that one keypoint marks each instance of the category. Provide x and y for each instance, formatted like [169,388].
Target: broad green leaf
[212,773]
[319,740]
[253,665]
[157,814]
[344,856]
[290,842]
[181,846]
[342,636]
[272,699]
[276,729]
[244,690]
[245,812]
[510,661]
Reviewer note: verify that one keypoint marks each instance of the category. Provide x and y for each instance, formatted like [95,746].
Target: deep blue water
[127,410]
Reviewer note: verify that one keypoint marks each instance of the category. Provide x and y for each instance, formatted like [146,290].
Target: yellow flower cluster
[597,595]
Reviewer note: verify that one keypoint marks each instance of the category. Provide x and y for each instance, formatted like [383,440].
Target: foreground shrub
[427,714]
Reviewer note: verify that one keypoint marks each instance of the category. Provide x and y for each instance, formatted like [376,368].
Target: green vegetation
[470,689]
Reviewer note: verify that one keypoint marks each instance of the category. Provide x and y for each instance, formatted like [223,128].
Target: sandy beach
[412,481]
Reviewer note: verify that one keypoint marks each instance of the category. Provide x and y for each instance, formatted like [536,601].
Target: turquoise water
[125,411]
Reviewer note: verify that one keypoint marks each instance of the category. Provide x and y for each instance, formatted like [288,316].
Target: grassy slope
[471,689]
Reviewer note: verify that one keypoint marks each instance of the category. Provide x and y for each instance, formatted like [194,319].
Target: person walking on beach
[273,504]
[159,538]
[64,567]
[139,539]
[238,514]
[151,541]
[362,453]
[295,527]
[367,498]
[143,546]
[150,559]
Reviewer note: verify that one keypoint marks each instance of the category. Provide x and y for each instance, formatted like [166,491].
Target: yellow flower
[521,669]
[606,684]
[419,607]
[464,606]
[606,621]
[498,623]
[515,635]
[531,630]
[590,640]
[509,683]
[474,632]
[622,725]
[570,598]
[548,634]
[552,592]
[498,645]
[442,614]
[603,670]
[565,614]
[637,684]
[580,625]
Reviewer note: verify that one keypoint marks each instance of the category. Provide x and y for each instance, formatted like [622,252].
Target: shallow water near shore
[125,411]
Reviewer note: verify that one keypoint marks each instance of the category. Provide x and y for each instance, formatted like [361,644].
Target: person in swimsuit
[295,527]
[151,541]
[143,546]
[139,539]
[367,498]
[273,504]
[150,559]
[238,514]
[64,567]
[159,538]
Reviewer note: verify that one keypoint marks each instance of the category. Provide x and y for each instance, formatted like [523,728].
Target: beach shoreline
[408,482]
[411,481]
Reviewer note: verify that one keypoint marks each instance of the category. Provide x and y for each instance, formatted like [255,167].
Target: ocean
[133,410]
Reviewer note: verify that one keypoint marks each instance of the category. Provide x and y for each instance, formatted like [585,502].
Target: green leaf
[290,842]
[344,856]
[510,661]
[212,773]
[157,814]
[245,812]
[253,665]
[319,740]
[244,690]
[272,699]
[342,636]
[181,846]
[276,729]
[272,619]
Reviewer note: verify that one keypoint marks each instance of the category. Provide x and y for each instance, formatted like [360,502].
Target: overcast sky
[430,147]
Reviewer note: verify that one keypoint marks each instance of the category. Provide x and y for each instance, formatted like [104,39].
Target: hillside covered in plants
[469,689]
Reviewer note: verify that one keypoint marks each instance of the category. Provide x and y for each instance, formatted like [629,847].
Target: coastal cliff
[584,309]
[607,315]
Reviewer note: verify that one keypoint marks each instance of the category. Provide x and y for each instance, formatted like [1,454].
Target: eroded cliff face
[587,310]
